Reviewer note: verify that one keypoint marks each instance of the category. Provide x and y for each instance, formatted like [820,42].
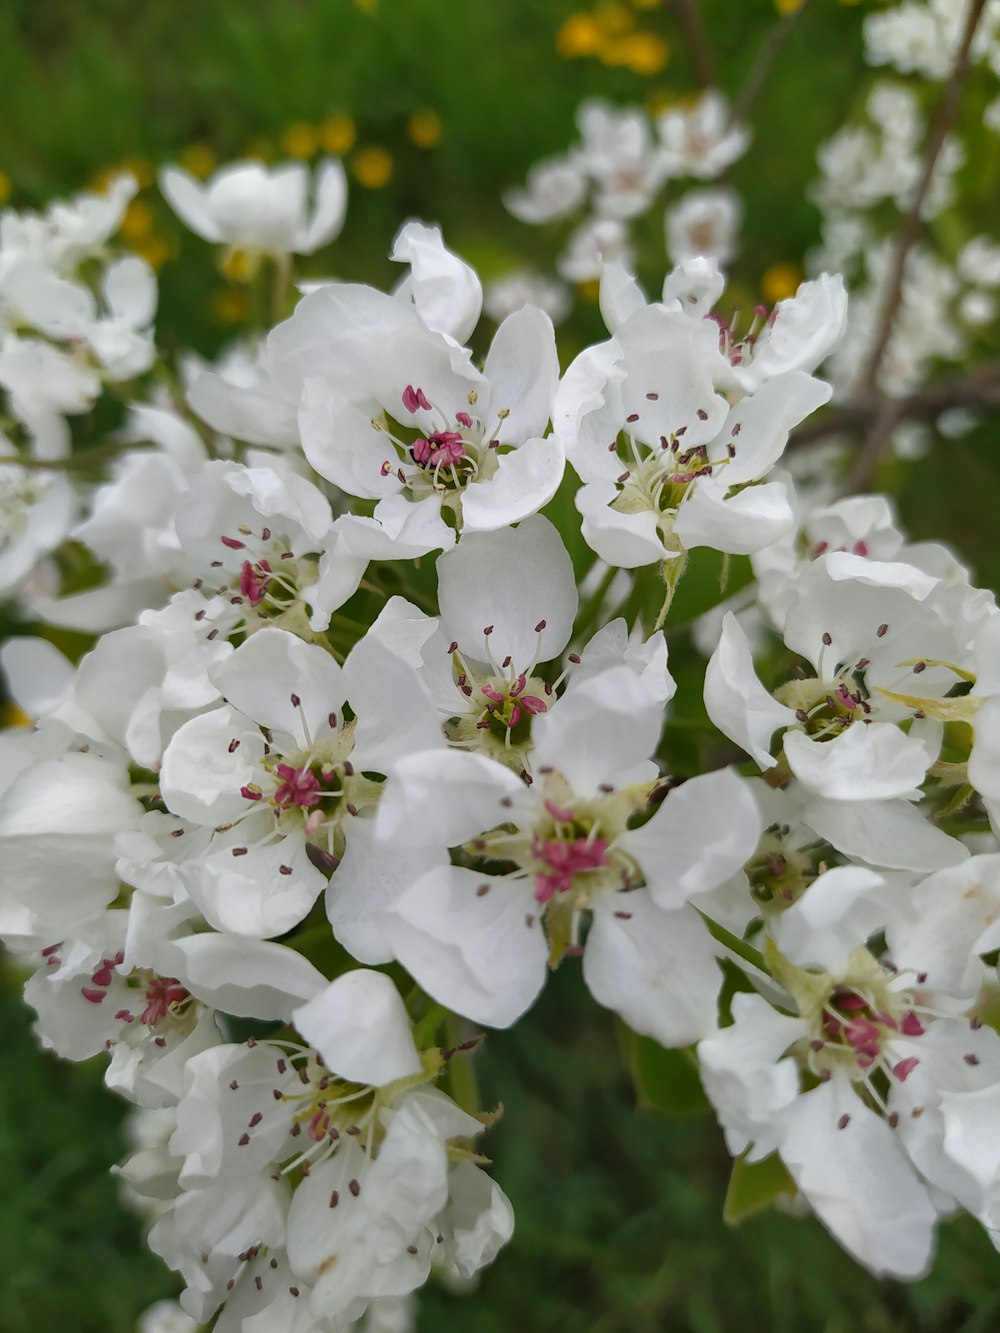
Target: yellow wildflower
[779,281]
[337,134]
[300,140]
[372,167]
[424,128]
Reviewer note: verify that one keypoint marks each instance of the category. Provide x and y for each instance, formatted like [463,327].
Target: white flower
[701,141]
[704,223]
[282,770]
[394,412]
[478,940]
[251,207]
[597,241]
[662,484]
[556,187]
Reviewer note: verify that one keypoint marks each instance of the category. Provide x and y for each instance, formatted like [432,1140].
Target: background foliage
[437,107]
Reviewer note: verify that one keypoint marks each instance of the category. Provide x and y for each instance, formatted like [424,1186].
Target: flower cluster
[370,736]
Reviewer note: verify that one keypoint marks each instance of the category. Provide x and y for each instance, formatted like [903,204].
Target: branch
[909,228]
[689,21]
[979,389]
[754,83]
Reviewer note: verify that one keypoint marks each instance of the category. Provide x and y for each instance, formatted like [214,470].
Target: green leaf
[755,1185]
[665,1080]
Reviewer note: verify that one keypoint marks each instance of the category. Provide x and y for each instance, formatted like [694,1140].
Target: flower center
[442,460]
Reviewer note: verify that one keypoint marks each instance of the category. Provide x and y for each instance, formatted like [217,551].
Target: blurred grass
[618,1212]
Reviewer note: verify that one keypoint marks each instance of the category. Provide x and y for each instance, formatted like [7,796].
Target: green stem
[737,946]
[461,1074]
[589,611]
[78,462]
[672,571]
[426,1029]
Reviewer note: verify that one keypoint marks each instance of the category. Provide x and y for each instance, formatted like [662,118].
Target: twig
[754,83]
[980,389]
[79,462]
[697,43]
[909,228]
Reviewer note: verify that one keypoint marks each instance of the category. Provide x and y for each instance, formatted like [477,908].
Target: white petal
[839,910]
[704,832]
[130,290]
[525,480]
[741,524]
[189,200]
[511,580]
[655,969]
[395,714]
[621,295]
[600,731]
[443,798]
[864,763]
[482,954]
[329,208]
[445,290]
[263,674]
[371,876]
[735,699]
[893,834]
[859,1181]
[247,978]
[360,1027]
[201,777]
[523,368]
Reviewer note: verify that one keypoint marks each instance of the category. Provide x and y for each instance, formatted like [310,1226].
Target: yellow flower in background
[366,6]
[647,4]
[780,281]
[230,305]
[300,140]
[156,250]
[198,158]
[589,291]
[614,20]
[788,6]
[137,222]
[337,134]
[372,168]
[579,36]
[5,187]
[643,52]
[424,128]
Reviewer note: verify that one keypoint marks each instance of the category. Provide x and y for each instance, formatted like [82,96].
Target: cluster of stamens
[659,475]
[738,350]
[445,459]
[266,584]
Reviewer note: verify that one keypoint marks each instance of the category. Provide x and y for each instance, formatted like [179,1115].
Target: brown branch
[979,389]
[754,83]
[689,21]
[909,228]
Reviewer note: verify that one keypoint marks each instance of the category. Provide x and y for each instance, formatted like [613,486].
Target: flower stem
[735,945]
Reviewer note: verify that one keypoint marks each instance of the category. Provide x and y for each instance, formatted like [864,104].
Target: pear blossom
[281,773]
[853,1088]
[662,485]
[478,940]
[701,141]
[259,209]
[408,421]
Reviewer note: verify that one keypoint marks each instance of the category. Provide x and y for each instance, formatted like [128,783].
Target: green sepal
[666,1080]
[754,1186]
